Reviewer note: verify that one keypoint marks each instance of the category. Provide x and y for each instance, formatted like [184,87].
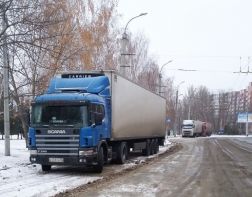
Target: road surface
[203,167]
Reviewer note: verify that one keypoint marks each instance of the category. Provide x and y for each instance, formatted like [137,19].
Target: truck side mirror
[93,125]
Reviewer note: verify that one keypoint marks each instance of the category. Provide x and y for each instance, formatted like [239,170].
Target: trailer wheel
[147,150]
[152,147]
[46,168]
[162,142]
[100,160]
[122,153]
[156,147]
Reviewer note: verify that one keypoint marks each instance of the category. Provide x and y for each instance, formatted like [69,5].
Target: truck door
[97,122]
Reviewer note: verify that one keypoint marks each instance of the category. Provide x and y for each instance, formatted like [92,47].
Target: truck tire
[46,168]
[152,147]
[156,149]
[162,142]
[122,153]
[100,161]
[147,150]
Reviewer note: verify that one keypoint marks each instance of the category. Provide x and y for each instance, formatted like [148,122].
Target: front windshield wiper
[61,125]
[54,125]
[69,125]
[39,125]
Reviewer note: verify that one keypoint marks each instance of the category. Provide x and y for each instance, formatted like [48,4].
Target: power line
[248,70]
[198,70]
[205,56]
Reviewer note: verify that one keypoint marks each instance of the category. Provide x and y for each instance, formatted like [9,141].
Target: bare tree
[198,104]
[27,32]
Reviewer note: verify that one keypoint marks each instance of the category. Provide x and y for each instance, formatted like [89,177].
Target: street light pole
[124,41]
[189,111]
[176,107]
[6,87]
[160,76]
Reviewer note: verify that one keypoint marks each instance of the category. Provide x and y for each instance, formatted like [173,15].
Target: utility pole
[189,111]
[176,108]
[160,77]
[159,83]
[124,42]
[176,112]
[247,125]
[247,109]
[123,54]
[6,86]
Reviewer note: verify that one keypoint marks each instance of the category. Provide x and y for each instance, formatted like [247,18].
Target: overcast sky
[209,36]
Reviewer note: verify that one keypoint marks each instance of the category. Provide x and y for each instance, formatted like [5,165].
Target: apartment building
[229,104]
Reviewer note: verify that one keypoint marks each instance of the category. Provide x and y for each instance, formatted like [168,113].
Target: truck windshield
[70,115]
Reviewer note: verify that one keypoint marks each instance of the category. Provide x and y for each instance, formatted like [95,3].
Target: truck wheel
[162,142]
[147,150]
[100,160]
[46,168]
[152,147]
[156,147]
[122,153]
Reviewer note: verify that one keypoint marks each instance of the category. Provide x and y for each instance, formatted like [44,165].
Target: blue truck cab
[71,122]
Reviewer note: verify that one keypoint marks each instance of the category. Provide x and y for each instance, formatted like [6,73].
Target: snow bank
[230,136]
[18,177]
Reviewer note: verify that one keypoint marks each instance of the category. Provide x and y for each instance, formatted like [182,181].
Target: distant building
[227,105]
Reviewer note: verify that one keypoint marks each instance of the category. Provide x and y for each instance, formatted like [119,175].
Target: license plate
[56,160]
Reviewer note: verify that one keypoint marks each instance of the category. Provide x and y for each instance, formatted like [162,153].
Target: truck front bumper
[76,160]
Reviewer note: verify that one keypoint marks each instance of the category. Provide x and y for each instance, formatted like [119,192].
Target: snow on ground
[233,136]
[18,177]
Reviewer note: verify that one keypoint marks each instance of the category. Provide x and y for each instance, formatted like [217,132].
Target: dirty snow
[18,177]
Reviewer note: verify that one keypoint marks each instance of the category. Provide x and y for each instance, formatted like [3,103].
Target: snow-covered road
[210,166]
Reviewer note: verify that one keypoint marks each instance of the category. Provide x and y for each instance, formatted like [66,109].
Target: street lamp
[124,41]
[6,85]
[142,14]
[176,106]
[160,76]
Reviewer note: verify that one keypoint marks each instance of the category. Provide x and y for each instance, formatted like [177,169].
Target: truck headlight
[33,152]
[86,152]
[33,159]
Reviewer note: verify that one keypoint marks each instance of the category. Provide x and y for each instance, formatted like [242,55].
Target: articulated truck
[196,128]
[90,119]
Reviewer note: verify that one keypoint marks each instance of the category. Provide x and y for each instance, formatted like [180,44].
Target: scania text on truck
[89,119]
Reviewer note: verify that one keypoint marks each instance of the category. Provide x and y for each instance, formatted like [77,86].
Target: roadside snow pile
[230,136]
[18,177]
[142,159]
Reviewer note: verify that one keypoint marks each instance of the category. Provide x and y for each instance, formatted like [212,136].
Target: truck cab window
[96,114]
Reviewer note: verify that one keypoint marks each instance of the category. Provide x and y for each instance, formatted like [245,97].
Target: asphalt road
[203,167]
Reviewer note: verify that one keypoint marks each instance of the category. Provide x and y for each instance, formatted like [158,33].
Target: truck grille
[65,145]
[187,133]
